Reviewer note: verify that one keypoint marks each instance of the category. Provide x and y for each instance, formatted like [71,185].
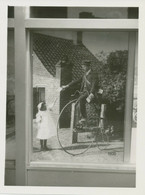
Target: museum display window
[49,50]
[57,58]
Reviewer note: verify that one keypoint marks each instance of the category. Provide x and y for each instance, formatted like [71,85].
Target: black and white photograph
[79,90]
[71,101]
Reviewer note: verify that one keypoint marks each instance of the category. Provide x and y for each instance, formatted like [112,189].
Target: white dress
[45,124]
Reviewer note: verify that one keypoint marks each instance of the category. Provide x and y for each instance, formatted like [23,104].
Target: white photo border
[140,173]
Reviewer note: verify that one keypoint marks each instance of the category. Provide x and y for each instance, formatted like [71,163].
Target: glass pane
[134,114]
[134,123]
[10,85]
[10,12]
[83,119]
[10,155]
[83,12]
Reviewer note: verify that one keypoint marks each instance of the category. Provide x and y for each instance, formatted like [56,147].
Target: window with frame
[54,51]
[57,61]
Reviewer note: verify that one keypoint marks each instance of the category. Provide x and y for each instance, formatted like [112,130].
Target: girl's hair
[43,106]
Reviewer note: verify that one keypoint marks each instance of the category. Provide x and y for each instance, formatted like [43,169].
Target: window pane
[87,117]
[10,154]
[10,12]
[134,114]
[10,85]
[83,12]
[134,124]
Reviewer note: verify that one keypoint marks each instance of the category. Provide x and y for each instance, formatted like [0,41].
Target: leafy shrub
[112,75]
[112,71]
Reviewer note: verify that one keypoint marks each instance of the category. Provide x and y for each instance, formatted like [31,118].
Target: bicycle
[72,139]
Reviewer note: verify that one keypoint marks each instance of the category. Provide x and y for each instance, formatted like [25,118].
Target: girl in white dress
[45,124]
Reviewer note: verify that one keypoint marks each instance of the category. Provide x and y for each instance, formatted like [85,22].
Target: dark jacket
[89,82]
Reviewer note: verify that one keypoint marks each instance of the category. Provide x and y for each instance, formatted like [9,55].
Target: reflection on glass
[79,82]
[10,153]
[134,119]
[10,112]
[84,12]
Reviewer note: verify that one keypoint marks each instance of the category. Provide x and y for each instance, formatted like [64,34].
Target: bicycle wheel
[102,139]
[73,138]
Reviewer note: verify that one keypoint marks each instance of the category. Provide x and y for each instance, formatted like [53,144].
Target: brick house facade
[43,79]
[49,73]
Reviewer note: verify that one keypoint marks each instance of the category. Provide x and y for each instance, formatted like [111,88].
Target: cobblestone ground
[112,154]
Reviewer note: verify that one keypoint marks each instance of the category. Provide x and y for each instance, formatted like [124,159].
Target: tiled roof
[50,50]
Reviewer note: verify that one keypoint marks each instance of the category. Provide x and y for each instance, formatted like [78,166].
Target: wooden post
[102,116]
[74,134]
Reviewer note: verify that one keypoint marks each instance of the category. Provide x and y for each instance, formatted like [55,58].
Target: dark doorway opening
[38,96]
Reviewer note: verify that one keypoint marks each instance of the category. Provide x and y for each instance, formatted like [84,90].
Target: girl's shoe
[45,148]
[41,149]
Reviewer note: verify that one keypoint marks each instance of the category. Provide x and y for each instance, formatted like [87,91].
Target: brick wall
[42,78]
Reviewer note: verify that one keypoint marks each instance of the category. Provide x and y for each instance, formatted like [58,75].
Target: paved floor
[112,154]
